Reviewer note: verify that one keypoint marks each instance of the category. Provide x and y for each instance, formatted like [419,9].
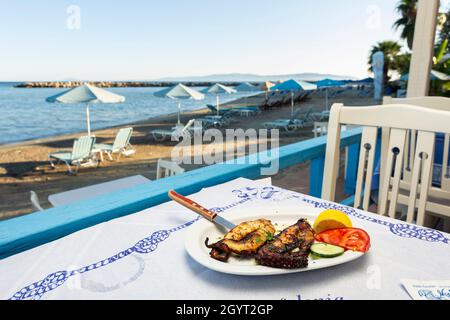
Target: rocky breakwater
[72,84]
[110,84]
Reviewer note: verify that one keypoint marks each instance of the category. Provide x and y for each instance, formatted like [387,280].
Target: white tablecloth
[142,256]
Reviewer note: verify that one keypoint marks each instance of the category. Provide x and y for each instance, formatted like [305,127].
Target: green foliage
[406,23]
[391,50]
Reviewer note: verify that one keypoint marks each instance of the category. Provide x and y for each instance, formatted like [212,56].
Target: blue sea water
[25,115]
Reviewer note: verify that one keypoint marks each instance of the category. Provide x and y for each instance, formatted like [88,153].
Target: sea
[25,114]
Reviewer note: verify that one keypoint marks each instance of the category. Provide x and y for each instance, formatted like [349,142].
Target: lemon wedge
[331,219]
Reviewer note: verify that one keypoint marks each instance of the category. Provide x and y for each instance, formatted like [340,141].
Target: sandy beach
[25,167]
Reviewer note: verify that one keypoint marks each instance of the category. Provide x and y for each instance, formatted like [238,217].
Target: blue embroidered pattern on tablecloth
[147,245]
[400,229]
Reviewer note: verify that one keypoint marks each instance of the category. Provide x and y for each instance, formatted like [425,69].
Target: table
[67,197]
[142,256]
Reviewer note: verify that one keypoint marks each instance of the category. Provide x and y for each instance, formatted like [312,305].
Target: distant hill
[242,77]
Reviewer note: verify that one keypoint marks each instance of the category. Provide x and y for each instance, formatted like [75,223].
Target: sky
[150,39]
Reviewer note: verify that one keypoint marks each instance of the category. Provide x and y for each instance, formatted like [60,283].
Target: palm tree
[391,50]
[444,32]
[406,23]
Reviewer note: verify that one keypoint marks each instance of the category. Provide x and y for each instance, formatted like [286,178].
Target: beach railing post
[88,120]
[218,104]
[179,113]
[351,168]
[292,104]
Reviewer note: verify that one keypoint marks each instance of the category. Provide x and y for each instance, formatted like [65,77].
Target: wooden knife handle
[192,205]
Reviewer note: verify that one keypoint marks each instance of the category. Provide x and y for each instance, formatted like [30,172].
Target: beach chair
[286,124]
[175,133]
[217,121]
[274,100]
[35,201]
[167,168]
[81,154]
[246,110]
[121,145]
[213,109]
[287,97]
[299,96]
[311,116]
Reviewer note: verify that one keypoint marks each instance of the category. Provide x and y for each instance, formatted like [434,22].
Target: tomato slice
[348,238]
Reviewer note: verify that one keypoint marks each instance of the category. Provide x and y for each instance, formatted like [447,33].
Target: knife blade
[194,206]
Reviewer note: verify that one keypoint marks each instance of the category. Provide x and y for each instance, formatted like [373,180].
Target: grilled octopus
[244,240]
[289,249]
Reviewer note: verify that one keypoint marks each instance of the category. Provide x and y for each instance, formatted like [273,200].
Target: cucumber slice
[326,250]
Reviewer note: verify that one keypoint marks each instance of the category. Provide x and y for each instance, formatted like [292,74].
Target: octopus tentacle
[245,240]
[289,249]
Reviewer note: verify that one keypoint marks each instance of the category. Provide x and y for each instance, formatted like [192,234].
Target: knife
[205,213]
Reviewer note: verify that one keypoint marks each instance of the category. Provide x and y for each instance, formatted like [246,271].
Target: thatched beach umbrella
[180,91]
[88,94]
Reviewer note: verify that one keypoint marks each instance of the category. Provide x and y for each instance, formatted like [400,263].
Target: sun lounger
[161,134]
[287,97]
[214,110]
[217,120]
[121,145]
[81,154]
[301,95]
[286,124]
[252,109]
[310,116]
[275,100]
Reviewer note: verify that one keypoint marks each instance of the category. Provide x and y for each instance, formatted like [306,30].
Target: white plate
[195,242]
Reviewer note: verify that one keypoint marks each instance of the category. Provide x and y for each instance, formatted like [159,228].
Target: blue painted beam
[316,176]
[28,231]
[348,201]
[352,169]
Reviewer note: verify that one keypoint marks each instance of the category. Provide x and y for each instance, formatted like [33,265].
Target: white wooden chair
[167,168]
[398,119]
[442,192]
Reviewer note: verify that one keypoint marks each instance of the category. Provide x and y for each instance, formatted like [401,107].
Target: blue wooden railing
[28,231]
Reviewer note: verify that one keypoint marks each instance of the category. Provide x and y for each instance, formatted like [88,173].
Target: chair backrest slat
[394,165]
[421,176]
[365,169]
[122,138]
[82,147]
[445,174]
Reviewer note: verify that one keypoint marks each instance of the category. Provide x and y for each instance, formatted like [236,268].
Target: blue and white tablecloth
[142,256]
